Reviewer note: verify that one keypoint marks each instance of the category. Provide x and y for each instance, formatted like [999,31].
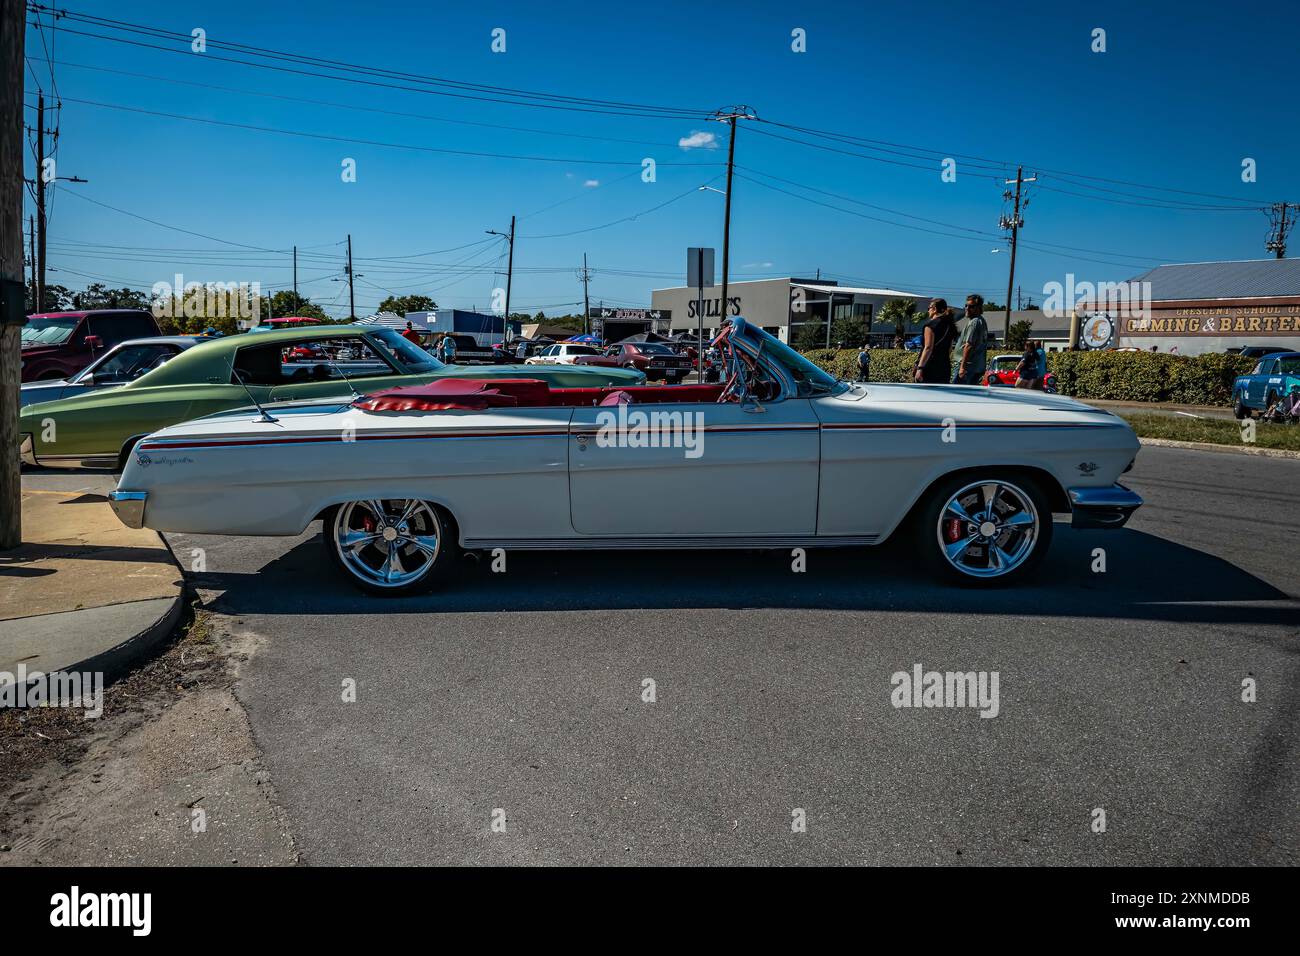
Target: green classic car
[98,429]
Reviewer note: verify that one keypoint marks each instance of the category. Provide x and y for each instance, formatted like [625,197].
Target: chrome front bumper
[1102,507]
[128,506]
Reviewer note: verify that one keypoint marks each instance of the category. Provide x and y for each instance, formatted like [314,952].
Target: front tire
[988,530]
[391,546]
[1239,409]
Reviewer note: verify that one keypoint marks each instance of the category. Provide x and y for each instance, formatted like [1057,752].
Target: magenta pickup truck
[60,344]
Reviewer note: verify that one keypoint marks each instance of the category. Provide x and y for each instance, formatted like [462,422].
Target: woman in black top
[935,365]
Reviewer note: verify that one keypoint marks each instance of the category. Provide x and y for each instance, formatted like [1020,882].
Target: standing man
[410,334]
[972,346]
[864,363]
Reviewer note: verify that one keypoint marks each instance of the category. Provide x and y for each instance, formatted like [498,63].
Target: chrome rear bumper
[1102,507]
[26,451]
[128,506]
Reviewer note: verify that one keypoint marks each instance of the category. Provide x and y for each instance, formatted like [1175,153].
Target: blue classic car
[1274,377]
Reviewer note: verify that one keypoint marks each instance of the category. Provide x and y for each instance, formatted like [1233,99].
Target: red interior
[476,394]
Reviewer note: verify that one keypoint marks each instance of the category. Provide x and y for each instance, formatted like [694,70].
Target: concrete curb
[1229,449]
[116,660]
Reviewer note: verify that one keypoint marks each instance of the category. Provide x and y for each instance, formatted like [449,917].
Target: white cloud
[592,183]
[698,140]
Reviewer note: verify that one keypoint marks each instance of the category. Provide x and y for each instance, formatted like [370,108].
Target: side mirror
[94,342]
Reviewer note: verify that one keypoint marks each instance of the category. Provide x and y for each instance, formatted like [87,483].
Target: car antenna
[251,397]
[334,365]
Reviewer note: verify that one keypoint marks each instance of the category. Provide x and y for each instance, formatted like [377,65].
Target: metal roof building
[1196,307]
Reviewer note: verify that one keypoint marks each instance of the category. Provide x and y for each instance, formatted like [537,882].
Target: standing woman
[935,364]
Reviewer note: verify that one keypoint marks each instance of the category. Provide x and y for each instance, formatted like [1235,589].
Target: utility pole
[13,27]
[1281,226]
[40,197]
[585,275]
[1014,223]
[31,248]
[729,116]
[352,299]
[510,273]
[295,280]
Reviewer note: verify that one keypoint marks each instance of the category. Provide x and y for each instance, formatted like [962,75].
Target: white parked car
[562,353]
[780,454]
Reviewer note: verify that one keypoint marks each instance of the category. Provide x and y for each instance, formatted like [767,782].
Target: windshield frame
[809,379]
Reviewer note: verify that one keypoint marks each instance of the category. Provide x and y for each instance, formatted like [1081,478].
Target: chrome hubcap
[988,528]
[387,543]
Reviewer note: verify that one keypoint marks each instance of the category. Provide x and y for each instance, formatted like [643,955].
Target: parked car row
[98,428]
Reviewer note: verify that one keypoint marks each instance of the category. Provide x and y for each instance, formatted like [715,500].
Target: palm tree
[901,312]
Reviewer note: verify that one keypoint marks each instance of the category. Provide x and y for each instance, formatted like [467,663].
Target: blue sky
[1184,92]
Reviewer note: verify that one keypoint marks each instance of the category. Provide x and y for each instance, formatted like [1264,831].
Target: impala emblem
[1087,467]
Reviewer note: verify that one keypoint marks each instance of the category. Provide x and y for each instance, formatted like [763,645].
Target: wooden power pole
[13,26]
[1014,222]
[729,116]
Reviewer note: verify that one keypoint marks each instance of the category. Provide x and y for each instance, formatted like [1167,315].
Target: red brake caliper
[952,530]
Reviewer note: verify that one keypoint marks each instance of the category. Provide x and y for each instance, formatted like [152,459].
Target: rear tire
[990,529]
[363,536]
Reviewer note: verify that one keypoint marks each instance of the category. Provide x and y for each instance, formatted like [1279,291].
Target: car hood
[36,351]
[30,393]
[961,395]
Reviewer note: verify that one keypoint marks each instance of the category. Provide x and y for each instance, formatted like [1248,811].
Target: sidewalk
[83,592]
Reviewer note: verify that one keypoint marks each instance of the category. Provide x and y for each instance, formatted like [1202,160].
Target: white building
[784,306]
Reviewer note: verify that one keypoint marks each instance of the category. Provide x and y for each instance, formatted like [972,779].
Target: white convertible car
[779,455]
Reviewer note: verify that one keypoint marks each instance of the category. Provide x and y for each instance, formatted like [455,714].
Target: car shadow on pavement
[1145,578]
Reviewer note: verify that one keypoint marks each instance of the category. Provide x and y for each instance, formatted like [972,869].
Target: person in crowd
[410,334]
[973,344]
[440,350]
[1027,370]
[449,349]
[521,351]
[1042,362]
[864,363]
[898,341]
[937,338]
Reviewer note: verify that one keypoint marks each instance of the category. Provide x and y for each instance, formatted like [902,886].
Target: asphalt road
[523,691]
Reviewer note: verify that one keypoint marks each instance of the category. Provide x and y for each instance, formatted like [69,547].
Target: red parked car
[658,361]
[1002,371]
[60,344]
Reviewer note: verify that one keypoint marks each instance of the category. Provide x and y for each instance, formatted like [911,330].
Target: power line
[364,109]
[369,142]
[442,85]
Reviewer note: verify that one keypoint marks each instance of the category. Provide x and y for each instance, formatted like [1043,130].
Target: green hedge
[1117,376]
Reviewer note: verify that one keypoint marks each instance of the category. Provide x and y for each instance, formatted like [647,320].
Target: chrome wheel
[988,529]
[387,543]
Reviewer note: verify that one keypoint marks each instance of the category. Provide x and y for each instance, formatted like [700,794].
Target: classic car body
[97,429]
[57,345]
[781,455]
[1273,377]
[124,363]
[657,360]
